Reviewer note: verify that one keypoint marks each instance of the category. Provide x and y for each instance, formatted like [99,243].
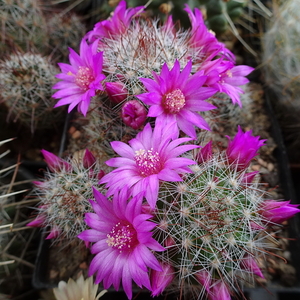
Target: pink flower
[123,242]
[152,156]
[116,25]
[204,41]
[176,96]
[54,162]
[278,211]
[230,80]
[161,279]
[243,148]
[82,79]
[116,91]
[226,77]
[134,114]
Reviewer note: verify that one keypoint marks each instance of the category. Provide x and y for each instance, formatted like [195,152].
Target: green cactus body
[206,223]
[218,12]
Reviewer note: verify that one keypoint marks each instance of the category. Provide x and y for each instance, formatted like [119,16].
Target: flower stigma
[174,101]
[148,162]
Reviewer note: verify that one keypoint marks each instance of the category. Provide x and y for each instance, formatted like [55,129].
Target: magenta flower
[203,40]
[226,77]
[176,96]
[243,148]
[161,279]
[123,242]
[117,24]
[134,114]
[152,156]
[82,79]
[278,211]
[231,78]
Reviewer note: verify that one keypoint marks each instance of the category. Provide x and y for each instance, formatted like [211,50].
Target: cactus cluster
[26,82]
[168,214]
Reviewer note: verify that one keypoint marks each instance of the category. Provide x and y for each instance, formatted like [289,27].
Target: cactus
[64,194]
[65,31]
[219,13]
[281,61]
[213,225]
[281,52]
[26,82]
[23,25]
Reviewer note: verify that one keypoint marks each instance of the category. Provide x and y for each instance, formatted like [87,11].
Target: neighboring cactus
[65,31]
[26,82]
[64,194]
[281,62]
[23,25]
[220,13]
[281,54]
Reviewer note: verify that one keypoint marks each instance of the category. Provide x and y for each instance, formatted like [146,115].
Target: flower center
[148,162]
[173,102]
[122,237]
[84,77]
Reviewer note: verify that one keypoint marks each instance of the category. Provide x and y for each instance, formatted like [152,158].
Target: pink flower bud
[161,279]
[134,114]
[205,153]
[248,177]
[101,174]
[219,291]
[37,222]
[116,91]
[55,163]
[242,149]
[204,279]
[169,242]
[255,226]
[88,159]
[54,233]
[278,211]
[249,263]
[39,184]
